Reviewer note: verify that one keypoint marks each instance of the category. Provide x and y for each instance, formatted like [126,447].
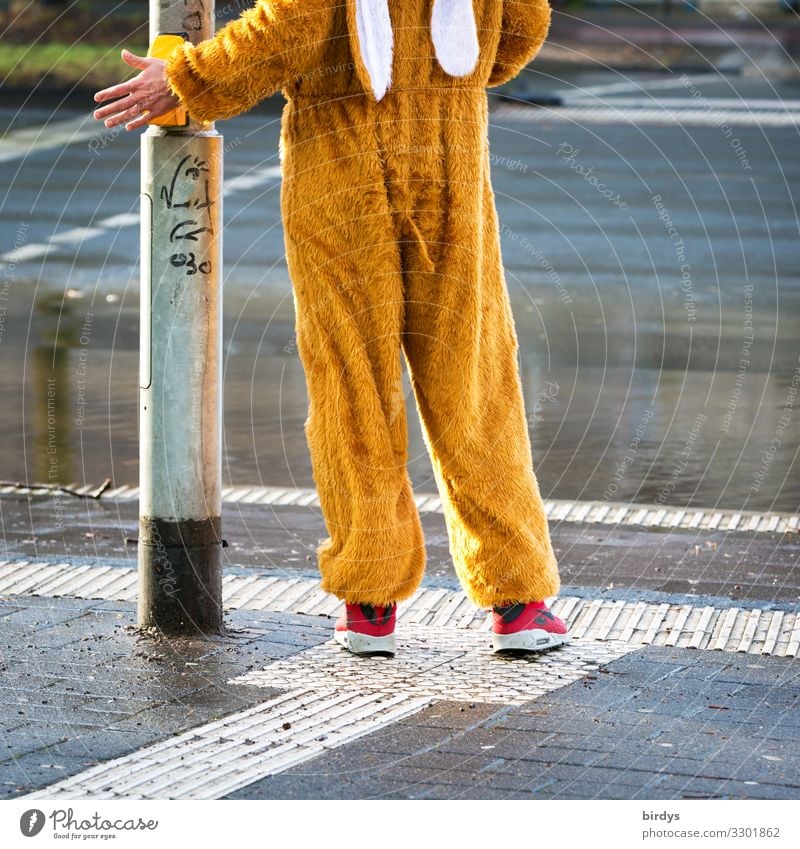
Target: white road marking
[79,235]
[774,105]
[25,253]
[656,84]
[26,140]
[124,219]
[341,699]
[253,180]
[656,113]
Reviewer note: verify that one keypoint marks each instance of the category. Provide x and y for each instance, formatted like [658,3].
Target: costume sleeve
[524,29]
[267,46]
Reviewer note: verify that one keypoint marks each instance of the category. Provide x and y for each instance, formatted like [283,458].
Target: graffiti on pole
[188,229]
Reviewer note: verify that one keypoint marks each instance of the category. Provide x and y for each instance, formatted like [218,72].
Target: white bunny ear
[455,36]
[375,43]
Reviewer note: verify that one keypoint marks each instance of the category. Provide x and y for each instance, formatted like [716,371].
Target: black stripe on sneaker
[511,612]
[371,615]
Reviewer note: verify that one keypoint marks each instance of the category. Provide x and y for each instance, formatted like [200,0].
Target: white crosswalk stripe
[664,112]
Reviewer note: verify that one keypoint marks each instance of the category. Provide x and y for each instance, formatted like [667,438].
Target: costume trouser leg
[360,230]
[347,285]
[461,347]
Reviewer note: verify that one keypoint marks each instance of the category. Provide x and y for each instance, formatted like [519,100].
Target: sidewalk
[658,695]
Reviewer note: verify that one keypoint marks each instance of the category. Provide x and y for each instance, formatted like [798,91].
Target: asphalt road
[649,232]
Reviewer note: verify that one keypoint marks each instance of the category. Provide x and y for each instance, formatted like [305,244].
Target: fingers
[120,116]
[115,91]
[156,112]
[133,92]
[118,112]
[140,118]
[134,60]
[143,121]
[123,88]
[112,109]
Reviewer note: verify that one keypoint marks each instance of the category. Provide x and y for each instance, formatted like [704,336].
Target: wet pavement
[608,560]
[644,727]
[273,708]
[652,270]
[649,234]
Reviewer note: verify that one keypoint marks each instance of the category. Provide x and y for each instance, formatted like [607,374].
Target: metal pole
[180,389]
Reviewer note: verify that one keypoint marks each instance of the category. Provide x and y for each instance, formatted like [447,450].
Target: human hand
[147,91]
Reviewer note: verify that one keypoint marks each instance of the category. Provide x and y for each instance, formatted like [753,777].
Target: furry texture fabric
[393,248]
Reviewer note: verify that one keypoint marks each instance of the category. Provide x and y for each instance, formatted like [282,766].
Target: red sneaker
[526,627]
[367,630]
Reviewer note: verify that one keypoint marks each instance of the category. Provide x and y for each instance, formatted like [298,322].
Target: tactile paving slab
[759,631]
[340,698]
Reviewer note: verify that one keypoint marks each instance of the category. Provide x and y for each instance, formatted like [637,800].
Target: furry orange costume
[392,245]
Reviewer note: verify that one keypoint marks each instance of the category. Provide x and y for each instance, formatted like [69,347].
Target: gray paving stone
[36,769]
[103,689]
[97,689]
[452,791]
[564,745]
[407,739]
[437,760]
[413,775]
[452,716]
[706,788]
[557,789]
[37,617]
[23,741]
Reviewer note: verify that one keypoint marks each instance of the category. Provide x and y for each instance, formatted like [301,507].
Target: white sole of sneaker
[533,639]
[365,644]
